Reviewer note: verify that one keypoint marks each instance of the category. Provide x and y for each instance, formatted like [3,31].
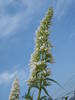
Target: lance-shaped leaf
[54,81]
[44,89]
[43,98]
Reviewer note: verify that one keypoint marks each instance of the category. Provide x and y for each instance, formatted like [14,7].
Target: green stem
[39,93]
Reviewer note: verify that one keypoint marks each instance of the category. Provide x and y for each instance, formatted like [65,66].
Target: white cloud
[61,7]
[6,77]
[10,23]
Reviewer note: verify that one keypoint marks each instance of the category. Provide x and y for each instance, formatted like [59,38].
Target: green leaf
[46,91]
[29,90]
[28,97]
[43,97]
[34,86]
[54,81]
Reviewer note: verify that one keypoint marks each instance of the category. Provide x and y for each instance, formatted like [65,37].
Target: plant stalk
[39,93]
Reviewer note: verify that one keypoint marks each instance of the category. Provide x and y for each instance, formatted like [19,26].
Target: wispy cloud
[6,77]
[9,20]
[62,7]
[8,25]
[14,12]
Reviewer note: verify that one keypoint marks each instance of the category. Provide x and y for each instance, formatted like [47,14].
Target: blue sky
[19,19]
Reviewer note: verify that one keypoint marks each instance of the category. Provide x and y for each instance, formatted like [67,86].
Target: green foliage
[40,75]
[41,57]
